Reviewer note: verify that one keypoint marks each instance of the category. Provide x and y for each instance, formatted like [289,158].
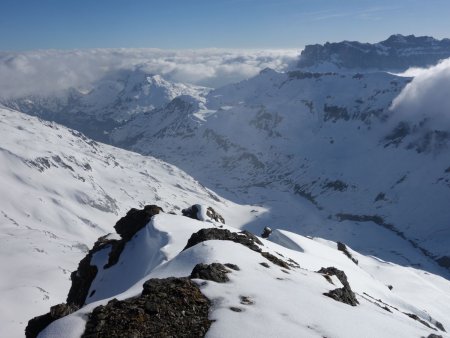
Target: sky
[182,24]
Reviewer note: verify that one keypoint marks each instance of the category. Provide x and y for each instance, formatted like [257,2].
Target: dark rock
[432,335]
[264,264]
[390,287]
[336,185]
[444,261]
[37,324]
[211,213]
[215,272]
[275,260]
[194,210]
[344,294]
[342,247]
[232,266]
[266,233]
[135,220]
[251,236]
[335,113]
[440,326]
[171,307]
[244,238]
[83,277]
[415,317]
[380,197]
[126,227]
[235,309]
[246,300]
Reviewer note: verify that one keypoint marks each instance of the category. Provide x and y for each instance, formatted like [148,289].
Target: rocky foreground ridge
[232,277]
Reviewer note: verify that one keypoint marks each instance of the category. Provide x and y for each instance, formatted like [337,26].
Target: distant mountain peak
[396,53]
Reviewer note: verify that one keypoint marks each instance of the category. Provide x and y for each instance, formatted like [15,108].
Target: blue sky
[181,24]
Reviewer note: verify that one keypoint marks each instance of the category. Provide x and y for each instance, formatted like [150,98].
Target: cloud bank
[47,71]
[426,97]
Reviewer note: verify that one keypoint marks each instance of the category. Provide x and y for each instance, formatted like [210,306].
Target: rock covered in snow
[203,213]
[135,220]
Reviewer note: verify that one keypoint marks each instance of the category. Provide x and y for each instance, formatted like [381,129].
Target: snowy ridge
[60,192]
[264,299]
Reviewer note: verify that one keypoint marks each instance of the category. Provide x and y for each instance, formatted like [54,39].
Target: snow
[284,304]
[60,191]
[291,151]
[274,145]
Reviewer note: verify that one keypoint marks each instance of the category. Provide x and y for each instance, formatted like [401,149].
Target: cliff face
[397,53]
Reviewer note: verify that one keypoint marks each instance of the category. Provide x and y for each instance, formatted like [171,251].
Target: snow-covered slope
[397,53]
[59,191]
[322,151]
[271,288]
[107,103]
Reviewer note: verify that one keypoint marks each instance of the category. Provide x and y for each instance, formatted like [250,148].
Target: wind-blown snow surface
[59,191]
[278,303]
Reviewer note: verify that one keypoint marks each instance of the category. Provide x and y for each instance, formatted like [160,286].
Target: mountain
[315,149]
[107,103]
[60,191]
[177,276]
[322,153]
[397,53]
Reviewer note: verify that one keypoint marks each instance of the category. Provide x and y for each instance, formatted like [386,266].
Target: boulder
[215,272]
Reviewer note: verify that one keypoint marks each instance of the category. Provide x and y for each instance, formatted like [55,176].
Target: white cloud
[426,97]
[47,71]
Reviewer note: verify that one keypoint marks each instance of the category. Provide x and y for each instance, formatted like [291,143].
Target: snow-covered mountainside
[322,151]
[107,103]
[178,276]
[59,192]
[397,53]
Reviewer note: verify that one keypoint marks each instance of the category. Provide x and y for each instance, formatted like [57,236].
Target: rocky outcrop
[195,212]
[266,232]
[244,237]
[135,220]
[211,213]
[342,247]
[215,272]
[344,294]
[85,274]
[126,227]
[170,307]
[37,324]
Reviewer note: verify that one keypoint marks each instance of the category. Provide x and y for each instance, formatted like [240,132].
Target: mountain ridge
[397,53]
